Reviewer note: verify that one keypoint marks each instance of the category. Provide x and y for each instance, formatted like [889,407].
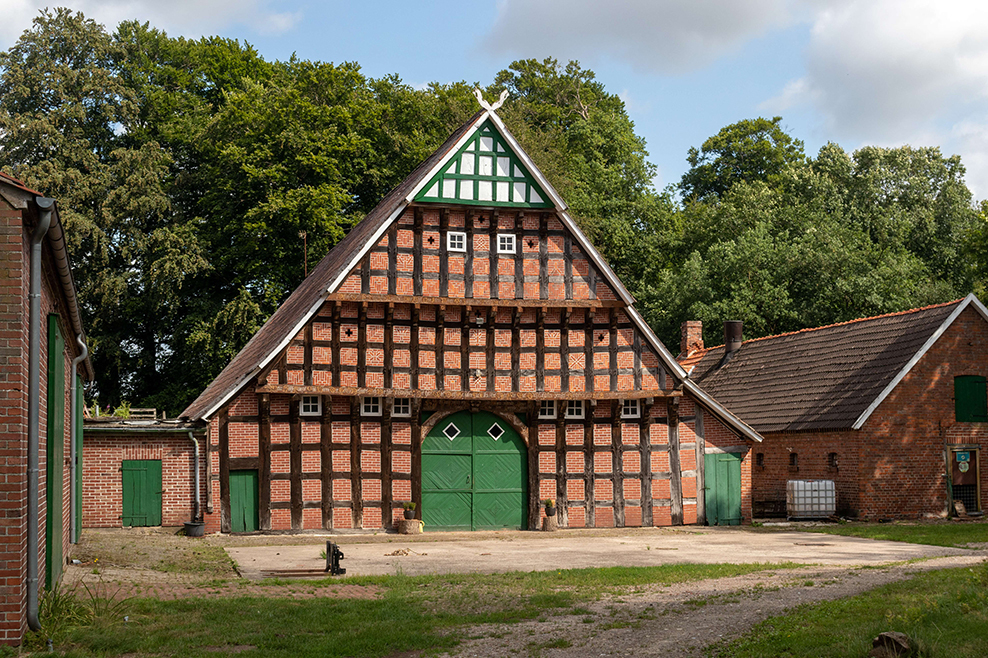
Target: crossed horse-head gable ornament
[488,106]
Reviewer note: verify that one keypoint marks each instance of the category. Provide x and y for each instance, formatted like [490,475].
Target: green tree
[750,150]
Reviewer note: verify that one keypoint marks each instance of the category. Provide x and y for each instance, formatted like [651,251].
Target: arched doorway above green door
[474,474]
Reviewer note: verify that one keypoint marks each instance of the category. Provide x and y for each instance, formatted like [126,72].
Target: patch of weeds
[808,583]
[535,648]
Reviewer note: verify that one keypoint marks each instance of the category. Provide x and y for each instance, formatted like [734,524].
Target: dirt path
[681,620]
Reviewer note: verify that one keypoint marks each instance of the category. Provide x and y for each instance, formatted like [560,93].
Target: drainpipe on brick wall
[74,453]
[34,410]
[196,515]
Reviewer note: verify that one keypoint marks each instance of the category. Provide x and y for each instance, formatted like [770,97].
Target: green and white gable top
[485,171]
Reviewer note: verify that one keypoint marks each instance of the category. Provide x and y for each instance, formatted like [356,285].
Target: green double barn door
[722,482]
[141,492]
[474,474]
[244,501]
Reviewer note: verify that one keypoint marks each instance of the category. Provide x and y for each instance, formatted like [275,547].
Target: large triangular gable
[437,169]
[485,171]
[970,300]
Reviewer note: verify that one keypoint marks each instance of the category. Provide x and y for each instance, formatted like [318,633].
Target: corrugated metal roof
[817,379]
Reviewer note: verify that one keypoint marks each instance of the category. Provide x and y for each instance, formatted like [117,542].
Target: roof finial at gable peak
[487,106]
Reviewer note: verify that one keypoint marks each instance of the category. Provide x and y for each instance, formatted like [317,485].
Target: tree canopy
[198,182]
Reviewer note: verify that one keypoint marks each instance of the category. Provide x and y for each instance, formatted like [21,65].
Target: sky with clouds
[854,72]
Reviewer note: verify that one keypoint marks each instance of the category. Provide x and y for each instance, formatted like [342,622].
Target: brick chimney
[691,338]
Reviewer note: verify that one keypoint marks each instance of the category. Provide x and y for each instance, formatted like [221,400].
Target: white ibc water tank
[810,499]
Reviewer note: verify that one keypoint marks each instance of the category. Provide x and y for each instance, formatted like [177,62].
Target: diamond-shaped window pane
[451,431]
[496,431]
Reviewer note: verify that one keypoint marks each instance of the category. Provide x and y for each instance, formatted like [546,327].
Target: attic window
[547,409]
[629,409]
[456,241]
[505,243]
[310,405]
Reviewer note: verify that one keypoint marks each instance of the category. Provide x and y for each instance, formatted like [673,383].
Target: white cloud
[191,18]
[891,72]
[672,36]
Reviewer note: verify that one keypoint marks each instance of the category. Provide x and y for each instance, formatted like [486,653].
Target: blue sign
[963,456]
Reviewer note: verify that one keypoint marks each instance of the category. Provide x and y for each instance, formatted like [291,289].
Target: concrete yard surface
[534,551]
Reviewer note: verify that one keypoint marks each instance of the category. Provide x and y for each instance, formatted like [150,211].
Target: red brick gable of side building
[467,349]
[891,408]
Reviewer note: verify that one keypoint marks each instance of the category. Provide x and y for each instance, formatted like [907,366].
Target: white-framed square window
[310,405]
[547,409]
[402,407]
[574,408]
[371,406]
[456,241]
[505,243]
[630,409]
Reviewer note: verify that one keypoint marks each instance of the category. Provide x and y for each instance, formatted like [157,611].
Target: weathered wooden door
[141,479]
[474,474]
[722,477]
[243,501]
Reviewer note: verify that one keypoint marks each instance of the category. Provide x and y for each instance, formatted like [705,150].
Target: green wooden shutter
[971,399]
[55,450]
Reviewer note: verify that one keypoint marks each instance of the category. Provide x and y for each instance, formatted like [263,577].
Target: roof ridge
[840,324]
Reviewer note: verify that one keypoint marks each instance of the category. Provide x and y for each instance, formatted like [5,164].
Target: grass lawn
[936,534]
[413,613]
[945,612]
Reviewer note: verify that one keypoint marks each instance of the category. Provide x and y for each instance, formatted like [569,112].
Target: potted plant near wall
[409,510]
[550,507]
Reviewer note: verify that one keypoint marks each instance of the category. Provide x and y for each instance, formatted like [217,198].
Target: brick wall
[103,454]
[14,315]
[894,467]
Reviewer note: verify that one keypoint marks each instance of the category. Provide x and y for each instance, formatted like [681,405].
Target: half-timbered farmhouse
[465,348]
[892,408]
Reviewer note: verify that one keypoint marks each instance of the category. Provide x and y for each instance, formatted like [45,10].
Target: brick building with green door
[893,409]
[33,239]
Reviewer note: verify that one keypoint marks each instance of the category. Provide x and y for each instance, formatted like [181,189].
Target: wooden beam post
[675,484]
[264,460]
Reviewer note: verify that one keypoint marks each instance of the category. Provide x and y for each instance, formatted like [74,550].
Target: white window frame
[549,414]
[506,250]
[370,406]
[406,406]
[573,412]
[307,400]
[627,411]
[458,235]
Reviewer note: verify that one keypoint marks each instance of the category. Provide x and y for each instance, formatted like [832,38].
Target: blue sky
[871,72]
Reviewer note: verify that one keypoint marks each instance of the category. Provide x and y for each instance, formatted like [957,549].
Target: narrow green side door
[474,474]
[243,501]
[722,473]
[55,453]
[141,490]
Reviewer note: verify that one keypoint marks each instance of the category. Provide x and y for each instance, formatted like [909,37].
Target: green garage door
[141,492]
[722,474]
[474,474]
